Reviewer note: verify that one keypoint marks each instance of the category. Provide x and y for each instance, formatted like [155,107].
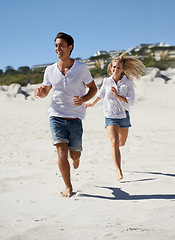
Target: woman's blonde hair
[133,67]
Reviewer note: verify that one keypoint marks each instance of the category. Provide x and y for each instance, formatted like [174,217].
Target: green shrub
[22,79]
[98,72]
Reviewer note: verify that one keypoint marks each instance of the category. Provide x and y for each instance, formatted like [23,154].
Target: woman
[118,93]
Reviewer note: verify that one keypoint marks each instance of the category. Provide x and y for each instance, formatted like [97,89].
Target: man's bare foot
[67,192]
[76,163]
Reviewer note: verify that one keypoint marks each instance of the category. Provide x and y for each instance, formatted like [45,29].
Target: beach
[139,207]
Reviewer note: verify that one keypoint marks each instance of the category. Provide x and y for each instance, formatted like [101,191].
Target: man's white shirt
[65,87]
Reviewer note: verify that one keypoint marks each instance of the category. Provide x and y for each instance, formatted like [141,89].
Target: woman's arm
[93,103]
[118,96]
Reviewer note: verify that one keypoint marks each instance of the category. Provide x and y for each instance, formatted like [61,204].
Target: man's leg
[75,157]
[62,149]
[75,141]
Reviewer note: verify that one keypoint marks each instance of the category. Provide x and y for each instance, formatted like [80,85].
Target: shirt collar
[123,78]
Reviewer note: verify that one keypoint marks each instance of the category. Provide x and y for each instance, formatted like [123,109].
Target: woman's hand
[113,89]
[89,105]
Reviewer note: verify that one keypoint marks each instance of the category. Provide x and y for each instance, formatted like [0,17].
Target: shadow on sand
[119,194]
[159,173]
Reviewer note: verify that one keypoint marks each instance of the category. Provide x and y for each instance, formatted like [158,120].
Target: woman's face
[117,69]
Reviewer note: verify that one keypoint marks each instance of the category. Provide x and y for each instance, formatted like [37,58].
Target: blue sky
[28,28]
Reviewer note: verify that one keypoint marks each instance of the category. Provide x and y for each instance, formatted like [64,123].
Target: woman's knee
[121,144]
[115,143]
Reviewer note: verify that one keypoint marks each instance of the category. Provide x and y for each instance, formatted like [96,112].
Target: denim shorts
[123,122]
[67,131]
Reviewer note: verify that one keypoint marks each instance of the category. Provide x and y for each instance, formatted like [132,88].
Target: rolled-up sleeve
[130,94]
[102,91]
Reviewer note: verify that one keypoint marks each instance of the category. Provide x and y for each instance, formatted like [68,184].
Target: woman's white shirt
[112,106]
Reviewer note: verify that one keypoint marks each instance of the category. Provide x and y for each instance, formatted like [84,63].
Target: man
[68,79]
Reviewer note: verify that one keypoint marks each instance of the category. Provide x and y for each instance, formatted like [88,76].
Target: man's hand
[42,91]
[77,101]
[38,92]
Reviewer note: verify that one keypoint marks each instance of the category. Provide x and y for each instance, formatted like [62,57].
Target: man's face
[62,50]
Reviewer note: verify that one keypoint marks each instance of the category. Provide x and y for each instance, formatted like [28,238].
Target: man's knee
[75,155]
[62,151]
[62,154]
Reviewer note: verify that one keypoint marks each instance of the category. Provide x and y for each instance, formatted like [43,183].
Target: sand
[141,206]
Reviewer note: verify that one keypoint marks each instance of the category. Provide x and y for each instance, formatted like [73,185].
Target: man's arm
[91,92]
[42,91]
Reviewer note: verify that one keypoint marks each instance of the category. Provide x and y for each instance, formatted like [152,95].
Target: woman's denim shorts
[67,131]
[123,122]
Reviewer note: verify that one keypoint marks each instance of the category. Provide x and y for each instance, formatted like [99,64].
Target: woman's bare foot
[67,192]
[120,175]
[76,163]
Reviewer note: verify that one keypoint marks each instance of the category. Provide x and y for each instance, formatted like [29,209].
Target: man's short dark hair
[69,40]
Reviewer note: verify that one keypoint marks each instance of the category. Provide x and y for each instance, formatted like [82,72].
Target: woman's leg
[113,133]
[123,134]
